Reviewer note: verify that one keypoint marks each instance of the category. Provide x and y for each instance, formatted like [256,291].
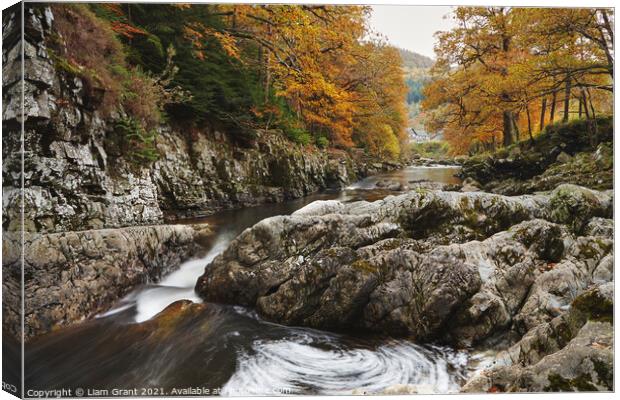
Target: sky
[411,27]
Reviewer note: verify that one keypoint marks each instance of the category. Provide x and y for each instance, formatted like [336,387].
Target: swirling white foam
[303,364]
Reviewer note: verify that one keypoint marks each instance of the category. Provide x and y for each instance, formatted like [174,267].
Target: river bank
[169,339]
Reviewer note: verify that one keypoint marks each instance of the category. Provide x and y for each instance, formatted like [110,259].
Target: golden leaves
[502,59]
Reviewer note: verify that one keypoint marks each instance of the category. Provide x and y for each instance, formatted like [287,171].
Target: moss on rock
[595,306]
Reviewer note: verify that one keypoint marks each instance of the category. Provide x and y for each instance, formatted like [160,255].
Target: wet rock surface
[71,276]
[572,352]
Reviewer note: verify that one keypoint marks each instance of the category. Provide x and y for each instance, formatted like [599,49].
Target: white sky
[411,27]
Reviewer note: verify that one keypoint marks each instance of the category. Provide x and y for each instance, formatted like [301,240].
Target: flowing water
[231,350]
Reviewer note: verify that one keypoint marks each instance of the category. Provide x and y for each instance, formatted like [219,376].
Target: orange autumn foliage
[501,73]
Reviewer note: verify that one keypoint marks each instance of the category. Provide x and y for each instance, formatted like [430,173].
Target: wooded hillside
[417,75]
[412,59]
[304,70]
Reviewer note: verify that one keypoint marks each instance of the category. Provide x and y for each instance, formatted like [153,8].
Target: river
[231,350]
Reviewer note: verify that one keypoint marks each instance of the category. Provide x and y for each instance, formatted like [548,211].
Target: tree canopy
[502,73]
[314,72]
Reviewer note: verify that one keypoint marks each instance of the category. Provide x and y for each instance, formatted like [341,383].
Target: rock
[508,263]
[470,185]
[514,152]
[425,185]
[574,205]
[574,351]
[584,364]
[425,161]
[599,227]
[563,158]
[604,271]
[167,322]
[410,264]
[555,289]
[70,276]
[603,156]
[459,160]
[452,187]
[391,185]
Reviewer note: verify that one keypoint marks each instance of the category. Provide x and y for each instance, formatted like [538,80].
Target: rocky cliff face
[76,178]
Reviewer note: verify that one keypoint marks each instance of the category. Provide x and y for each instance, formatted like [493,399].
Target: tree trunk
[260,60]
[580,107]
[607,47]
[543,110]
[594,123]
[515,127]
[588,122]
[566,99]
[507,128]
[554,100]
[267,70]
[529,122]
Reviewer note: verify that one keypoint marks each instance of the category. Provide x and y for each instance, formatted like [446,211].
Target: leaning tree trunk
[594,123]
[529,122]
[515,127]
[588,119]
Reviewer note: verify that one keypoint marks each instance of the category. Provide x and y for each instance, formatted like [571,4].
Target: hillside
[412,60]
[416,69]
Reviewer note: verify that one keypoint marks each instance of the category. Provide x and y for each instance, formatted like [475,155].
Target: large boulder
[456,266]
[575,205]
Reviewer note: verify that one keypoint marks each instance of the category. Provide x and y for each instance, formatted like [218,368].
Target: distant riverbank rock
[392,185]
[563,155]
[428,162]
[71,276]
[470,185]
[432,265]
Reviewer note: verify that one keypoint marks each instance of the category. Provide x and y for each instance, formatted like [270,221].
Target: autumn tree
[482,42]
[380,116]
[517,64]
[313,72]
